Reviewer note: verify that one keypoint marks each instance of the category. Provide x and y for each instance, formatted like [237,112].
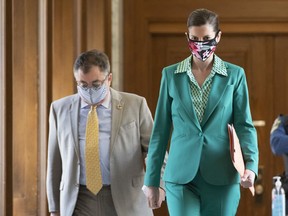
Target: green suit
[201,146]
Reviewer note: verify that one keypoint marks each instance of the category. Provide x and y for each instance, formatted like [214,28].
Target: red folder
[236,153]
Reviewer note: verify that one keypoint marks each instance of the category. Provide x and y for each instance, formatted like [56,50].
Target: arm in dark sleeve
[279,137]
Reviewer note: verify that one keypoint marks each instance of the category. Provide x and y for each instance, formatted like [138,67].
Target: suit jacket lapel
[117,111]
[183,87]
[74,118]
[217,90]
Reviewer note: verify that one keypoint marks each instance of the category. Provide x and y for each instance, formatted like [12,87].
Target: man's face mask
[95,94]
[202,49]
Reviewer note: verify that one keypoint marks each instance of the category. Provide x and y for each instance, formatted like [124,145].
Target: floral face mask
[202,49]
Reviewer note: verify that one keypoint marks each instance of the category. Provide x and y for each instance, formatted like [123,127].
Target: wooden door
[154,41]
[257,60]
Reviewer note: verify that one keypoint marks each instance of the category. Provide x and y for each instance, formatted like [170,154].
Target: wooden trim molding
[117,44]
[226,27]
[6,178]
[43,106]
[2,111]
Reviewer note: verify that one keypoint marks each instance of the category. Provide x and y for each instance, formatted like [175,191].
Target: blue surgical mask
[93,95]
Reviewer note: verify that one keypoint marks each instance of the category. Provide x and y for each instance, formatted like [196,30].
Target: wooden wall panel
[281,75]
[62,48]
[38,45]
[95,37]
[24,111]
[171,10]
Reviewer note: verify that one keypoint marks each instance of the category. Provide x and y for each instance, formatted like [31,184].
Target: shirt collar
[106,103]
[218,66]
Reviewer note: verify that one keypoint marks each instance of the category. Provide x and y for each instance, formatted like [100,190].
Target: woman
[198,97]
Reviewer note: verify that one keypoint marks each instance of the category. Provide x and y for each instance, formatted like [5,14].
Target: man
[279,135]
[279,147]
[125,124]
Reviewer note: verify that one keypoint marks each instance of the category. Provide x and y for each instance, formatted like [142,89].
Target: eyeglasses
[96,84]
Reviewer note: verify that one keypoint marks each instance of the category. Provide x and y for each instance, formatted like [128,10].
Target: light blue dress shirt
[104,117]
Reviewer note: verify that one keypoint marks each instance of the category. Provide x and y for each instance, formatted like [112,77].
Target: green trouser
[199,198]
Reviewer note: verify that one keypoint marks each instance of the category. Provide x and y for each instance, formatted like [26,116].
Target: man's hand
[247,180]
[155,196]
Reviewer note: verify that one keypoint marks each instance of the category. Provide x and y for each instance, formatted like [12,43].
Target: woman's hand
[247,180]
[155,196]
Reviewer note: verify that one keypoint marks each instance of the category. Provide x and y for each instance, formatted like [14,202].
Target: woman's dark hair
[203,16]
[86,60]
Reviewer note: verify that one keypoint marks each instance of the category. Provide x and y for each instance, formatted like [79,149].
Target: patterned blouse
[199,95]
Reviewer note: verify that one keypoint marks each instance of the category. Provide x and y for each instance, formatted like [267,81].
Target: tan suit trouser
[89,204]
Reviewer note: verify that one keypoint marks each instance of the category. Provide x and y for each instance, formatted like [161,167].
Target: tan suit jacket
[131,128]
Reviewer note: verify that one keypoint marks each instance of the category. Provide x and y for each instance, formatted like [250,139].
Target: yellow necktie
[92,158]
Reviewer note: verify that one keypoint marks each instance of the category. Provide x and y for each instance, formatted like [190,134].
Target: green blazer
[202,146]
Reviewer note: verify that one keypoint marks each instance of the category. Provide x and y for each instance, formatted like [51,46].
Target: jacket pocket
[129,125]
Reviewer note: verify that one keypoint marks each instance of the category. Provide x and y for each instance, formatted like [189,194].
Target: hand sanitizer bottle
[278,198]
